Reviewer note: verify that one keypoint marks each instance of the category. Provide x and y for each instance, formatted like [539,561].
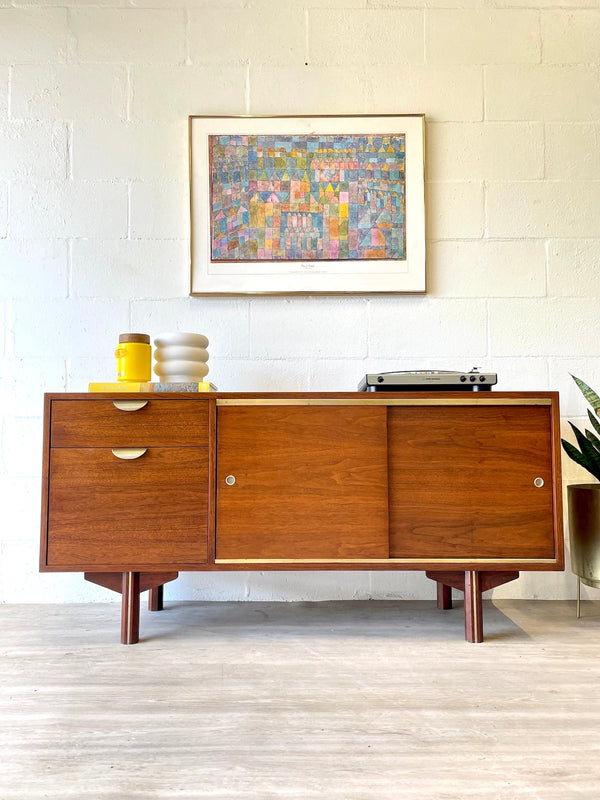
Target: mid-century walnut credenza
[138,487]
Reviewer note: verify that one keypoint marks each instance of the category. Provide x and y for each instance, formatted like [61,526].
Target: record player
[429,381]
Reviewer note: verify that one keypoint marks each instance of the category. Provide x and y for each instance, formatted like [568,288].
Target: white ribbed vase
[180,357]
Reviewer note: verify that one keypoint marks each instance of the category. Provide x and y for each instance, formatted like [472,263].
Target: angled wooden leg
[156,598]
[130,608]
[473,607]
[444,595]
[130,585]
[473,583]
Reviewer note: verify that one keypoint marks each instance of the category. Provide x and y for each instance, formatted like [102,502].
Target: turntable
[429,381]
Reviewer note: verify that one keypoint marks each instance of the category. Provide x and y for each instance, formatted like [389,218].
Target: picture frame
[307,204]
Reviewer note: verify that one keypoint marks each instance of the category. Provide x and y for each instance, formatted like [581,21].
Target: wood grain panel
[310,482]
[462,482]
[106,511]
[97,423]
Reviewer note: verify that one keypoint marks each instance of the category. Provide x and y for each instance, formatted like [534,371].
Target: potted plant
[584,498]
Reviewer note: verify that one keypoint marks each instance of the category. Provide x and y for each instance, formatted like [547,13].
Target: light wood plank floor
[336,701]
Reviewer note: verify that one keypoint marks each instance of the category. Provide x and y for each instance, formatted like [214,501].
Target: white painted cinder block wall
[94,232]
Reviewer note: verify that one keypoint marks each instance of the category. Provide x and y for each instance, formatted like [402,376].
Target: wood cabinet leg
[130,585]
[473,607]
[130,608]
[156,598]
[473,583]
[444,595]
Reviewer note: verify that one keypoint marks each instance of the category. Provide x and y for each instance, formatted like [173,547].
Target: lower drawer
[108,512]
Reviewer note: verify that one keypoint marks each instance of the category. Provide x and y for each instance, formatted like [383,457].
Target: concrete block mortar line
[541,38]
[484,76]
[247,91]
[488,320]
[485,232]
[9,328]
[306,37]
[128,92]
[68,362]
[69,268]
[8,210]
[130,314]
[71,40]
[547,246]
[4,331]
[187,59]
[128,226]
[544,153]
[369,316]
[547,367]
[69,153]
[9,93]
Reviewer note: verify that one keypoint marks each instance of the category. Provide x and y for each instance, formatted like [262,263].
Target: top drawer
[100,423]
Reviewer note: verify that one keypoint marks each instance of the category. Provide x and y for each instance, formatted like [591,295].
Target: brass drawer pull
[129,405]
[129,453]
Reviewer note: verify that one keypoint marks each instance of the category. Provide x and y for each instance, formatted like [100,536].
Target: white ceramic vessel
[180,357]
[178,353]
[181,339]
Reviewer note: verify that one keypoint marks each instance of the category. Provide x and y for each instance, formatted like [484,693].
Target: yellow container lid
[139,338]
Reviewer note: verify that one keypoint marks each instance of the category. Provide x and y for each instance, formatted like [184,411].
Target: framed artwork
[310,205]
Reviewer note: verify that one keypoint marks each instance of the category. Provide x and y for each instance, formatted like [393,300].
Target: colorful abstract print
[317,197]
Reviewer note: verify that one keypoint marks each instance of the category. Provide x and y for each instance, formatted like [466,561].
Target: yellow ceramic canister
[134,357]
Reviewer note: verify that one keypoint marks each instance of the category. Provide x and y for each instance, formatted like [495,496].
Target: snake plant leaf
[588,455]
[588,451]
[579,458]
[582,439]
[593,439]
[594,421]
[589,394]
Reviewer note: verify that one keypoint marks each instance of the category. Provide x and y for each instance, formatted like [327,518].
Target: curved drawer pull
[128,453]
[129,405]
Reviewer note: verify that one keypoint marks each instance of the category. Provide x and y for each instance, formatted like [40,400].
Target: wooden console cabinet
[138,487]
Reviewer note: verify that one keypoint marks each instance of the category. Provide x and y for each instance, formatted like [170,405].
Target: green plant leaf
[588,451]
[582,439]
[593,439]
[594,421]
[589,394]
[579,458]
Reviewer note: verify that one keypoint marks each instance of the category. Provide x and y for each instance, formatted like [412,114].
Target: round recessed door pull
[538,482]
[230,480]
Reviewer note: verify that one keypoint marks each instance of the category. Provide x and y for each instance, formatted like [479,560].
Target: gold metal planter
[584,534]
